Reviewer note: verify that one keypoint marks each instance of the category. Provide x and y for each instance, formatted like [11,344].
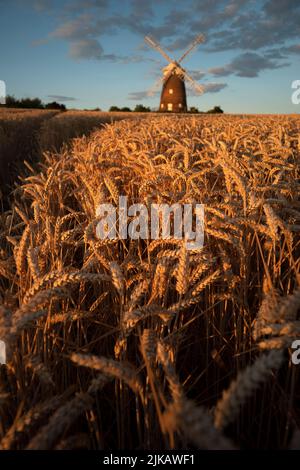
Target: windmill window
[170,106]
[180,105]
[171,91]
[162,105]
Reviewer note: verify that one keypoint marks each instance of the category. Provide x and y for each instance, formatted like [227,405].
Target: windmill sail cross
[173,94]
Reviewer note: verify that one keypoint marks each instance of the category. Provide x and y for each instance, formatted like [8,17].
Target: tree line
[143,109]
[32,103]
[36,103]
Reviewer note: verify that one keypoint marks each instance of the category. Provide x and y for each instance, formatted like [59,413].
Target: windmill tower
[173,95]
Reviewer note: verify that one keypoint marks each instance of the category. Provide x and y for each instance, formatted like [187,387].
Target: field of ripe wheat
[142,344]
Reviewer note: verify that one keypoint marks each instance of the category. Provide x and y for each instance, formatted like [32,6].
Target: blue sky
[91,53]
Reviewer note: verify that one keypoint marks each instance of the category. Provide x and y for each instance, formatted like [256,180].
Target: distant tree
[34,103]
[193,109]
[215,110]
[140,108]
[11,102]
[114,108]
[125,109]
[55,105]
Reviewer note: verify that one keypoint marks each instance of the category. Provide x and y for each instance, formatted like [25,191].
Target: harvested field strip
[25,134]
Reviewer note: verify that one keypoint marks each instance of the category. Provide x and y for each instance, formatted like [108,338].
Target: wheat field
[140,344]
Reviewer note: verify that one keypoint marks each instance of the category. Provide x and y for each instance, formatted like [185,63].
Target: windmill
[173,95]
